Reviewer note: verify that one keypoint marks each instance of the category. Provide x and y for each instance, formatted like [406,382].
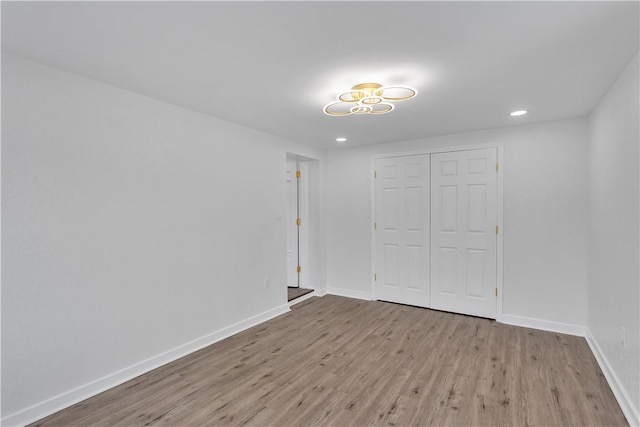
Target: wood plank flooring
[335,361]
[294,293]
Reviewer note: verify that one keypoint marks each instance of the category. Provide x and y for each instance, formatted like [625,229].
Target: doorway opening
[298,226]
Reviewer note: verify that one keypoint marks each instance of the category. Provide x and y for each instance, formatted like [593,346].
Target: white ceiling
[273,65]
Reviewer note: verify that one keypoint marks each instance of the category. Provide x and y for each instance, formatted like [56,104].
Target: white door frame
[499,146]
[303,203]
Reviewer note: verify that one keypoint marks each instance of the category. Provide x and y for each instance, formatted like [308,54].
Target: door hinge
[496,166]
[375,174]
[297,174]
[375,277]
[298,269]
[375,225]
[496,291]
[298,222]
[496,229]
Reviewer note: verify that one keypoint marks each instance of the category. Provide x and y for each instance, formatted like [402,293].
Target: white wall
[614,299]
[316,268]
[130,227]
[545,218]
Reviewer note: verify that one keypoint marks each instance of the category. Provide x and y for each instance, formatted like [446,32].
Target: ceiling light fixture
[518,113]
[368,98]
[341,139]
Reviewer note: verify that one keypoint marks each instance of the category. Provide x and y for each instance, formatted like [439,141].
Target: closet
[436,228]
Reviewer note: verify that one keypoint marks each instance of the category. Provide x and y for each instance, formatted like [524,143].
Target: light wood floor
[336,361]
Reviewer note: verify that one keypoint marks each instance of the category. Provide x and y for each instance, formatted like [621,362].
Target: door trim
[303,242]
[499,146]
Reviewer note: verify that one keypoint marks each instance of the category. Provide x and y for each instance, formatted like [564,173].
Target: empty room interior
[320,213]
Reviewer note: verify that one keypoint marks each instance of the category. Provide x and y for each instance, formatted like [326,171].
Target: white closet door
[402,230]
[463,232]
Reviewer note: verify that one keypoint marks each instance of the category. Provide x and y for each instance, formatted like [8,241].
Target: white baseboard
[320,292]
[349,293]
[626,404]
[64,400]
[544,325]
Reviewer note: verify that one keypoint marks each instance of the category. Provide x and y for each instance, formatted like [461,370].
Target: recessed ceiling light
[341,139]
[518,113]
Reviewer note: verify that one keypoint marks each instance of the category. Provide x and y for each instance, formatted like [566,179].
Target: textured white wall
[545,216]
[129,227]
[614,279]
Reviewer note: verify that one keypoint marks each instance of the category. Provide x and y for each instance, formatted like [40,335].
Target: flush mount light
[518,113]
[341,139]
[368,98]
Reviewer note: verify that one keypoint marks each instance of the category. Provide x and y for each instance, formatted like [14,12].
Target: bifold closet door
[464,232]
[402,230]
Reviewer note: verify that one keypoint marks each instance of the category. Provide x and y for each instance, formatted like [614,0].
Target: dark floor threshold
[294,293]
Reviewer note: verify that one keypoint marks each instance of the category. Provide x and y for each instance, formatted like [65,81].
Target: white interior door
[292,229]
[303,228]
[463,232]
[402,230]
